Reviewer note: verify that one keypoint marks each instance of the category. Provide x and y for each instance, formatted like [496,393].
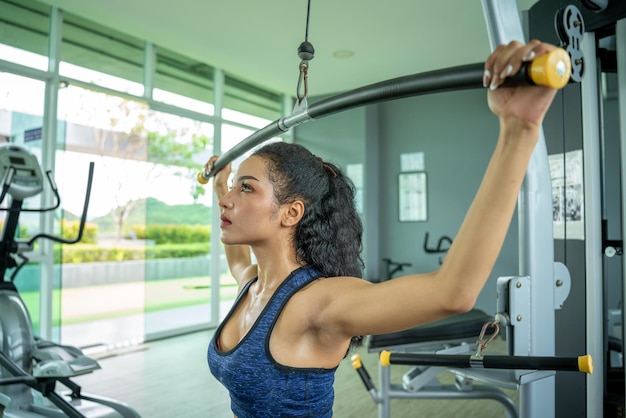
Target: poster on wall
[412,202]
[568,202]
[412,161]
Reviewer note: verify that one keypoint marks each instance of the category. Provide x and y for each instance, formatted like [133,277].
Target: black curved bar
[489,362]
[257,138]
[448,79]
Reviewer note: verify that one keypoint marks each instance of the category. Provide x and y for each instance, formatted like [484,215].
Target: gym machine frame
[526,303]
[526,309]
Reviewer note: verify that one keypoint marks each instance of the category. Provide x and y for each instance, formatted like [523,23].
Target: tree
[137,144]
[169,150]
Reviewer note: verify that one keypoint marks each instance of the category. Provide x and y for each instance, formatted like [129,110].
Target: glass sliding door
[21,122]
[103,275]
[177,226]
[141,270]
[145,117]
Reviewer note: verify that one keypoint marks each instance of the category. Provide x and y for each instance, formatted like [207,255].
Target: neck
[274,265]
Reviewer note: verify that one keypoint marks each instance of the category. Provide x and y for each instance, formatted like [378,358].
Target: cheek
[259,211]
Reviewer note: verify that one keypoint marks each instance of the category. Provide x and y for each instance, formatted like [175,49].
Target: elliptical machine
[32,368]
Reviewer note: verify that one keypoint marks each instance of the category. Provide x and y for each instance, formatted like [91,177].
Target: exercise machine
[455,336]
[526,303]
[393,267]
[31,369]
[457,344]
[537,267]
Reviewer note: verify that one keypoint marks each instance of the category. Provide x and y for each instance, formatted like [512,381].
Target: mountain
[154,211]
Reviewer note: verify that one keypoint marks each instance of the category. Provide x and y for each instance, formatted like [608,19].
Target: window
[124,272]
[24,31]
[246,98]
[183,82]
[88,45]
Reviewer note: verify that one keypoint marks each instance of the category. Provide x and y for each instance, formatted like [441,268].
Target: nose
[225,201]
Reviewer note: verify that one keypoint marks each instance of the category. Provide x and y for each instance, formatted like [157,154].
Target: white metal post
[48,149]
[216,249]
[593,227]
[620,35]
[535,233]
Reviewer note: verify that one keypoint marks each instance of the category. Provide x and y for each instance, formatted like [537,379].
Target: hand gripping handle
[551,70]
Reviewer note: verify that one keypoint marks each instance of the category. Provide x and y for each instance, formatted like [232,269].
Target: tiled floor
[170,379]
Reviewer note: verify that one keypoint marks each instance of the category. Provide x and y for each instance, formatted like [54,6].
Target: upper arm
[357,307]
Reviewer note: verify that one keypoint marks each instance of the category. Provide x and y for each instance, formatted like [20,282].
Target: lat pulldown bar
[552,69]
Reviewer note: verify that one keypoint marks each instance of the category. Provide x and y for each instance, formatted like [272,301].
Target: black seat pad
[465,325]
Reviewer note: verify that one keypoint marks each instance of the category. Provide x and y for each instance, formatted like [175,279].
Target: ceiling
[258,40]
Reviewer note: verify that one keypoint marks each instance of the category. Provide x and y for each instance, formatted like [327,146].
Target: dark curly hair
[329,235]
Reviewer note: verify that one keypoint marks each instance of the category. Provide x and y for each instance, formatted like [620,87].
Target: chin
[227,241]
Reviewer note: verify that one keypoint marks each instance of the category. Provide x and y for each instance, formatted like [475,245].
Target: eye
[245,187]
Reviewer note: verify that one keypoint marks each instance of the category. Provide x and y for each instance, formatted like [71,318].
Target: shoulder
[333,284]
[328,287]
[319,295]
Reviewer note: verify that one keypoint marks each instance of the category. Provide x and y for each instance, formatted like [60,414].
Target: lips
[225,221]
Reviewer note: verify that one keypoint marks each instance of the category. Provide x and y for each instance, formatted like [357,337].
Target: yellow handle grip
[585,364]
[385,358]
[356,361]
[201,179]
[552,69]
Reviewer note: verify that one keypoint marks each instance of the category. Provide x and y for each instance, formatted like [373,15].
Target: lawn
[89,303]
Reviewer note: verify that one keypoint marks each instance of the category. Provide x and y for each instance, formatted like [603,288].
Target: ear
[293,213]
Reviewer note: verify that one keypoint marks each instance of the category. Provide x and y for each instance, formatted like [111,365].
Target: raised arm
[238,256]
[412,300]
[520,112]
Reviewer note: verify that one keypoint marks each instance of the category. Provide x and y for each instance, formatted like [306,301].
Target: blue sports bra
[260,387]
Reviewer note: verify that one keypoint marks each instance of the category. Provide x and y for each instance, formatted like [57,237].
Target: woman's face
[249,212]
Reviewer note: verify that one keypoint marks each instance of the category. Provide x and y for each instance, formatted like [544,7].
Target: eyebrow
[240,178]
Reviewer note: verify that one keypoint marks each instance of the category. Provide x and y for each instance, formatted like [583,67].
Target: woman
[302,303]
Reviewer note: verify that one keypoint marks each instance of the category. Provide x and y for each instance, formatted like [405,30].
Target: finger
[519,55]
[504,63]
[489,65]
[507,60]
[209,164]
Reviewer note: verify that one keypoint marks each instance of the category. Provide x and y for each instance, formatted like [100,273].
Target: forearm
[239,259]
[220,188]
[521,111]
[477,245]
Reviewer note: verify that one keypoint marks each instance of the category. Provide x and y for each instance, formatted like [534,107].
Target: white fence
[102,273]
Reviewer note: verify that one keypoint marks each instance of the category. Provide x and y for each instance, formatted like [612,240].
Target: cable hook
[481,345]
[306,52]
